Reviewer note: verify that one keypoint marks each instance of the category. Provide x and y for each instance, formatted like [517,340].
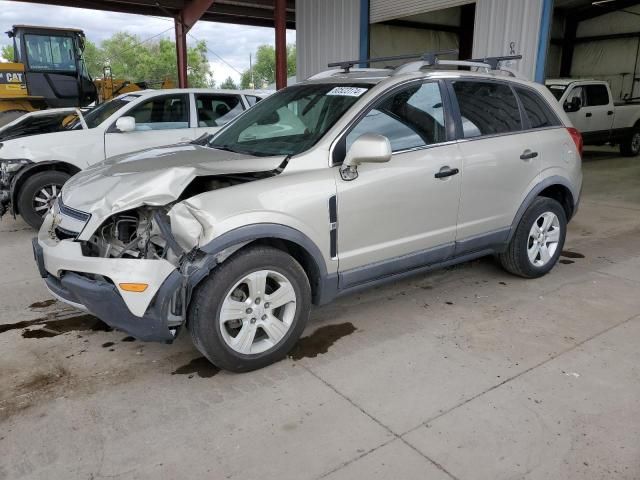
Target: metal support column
[280,22]
[188,16]
[467,25]
[568,45]
[544,37]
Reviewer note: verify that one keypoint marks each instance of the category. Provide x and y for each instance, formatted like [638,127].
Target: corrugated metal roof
[243,12]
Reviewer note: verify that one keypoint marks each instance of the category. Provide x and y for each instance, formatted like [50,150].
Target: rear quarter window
[537,112]
[487,108]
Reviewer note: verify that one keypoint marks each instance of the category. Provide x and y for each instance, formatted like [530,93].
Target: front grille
[72,212]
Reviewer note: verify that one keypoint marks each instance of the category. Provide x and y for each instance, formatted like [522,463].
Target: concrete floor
[468,373]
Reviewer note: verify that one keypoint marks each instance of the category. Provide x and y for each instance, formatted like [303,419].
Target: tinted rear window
[487,108]
[538,113]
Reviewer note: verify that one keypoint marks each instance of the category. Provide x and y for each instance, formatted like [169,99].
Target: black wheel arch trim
[32,168]
[535,192]
[326,285]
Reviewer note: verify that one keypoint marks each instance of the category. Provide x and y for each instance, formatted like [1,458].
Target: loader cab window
[162,113]
[50,53]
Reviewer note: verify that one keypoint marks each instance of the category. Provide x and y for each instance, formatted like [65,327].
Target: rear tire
[37,194]
[631,146]
[538,240]
[266,298]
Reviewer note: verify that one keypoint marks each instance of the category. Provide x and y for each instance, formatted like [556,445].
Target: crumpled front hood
[154,177]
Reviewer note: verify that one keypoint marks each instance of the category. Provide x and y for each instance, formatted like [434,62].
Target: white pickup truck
[594,113]
[40,151]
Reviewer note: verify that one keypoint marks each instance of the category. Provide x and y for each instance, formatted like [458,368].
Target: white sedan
[41,150]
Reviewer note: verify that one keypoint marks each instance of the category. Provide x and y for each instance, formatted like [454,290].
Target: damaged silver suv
[352,178]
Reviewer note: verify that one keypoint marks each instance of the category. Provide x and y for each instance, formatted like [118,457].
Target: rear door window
[487,108]
[411,118]
[162,113]
[538,113]
[216,110]
[597,95]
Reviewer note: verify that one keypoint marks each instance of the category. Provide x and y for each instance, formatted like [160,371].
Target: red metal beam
[280,21]
[186,18]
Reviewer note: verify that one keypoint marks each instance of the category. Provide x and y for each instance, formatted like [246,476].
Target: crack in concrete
[388,429]
[524,372]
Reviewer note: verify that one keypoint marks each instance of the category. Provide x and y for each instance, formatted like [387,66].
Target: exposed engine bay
[146,233]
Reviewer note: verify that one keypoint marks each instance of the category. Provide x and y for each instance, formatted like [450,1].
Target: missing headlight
[133,234]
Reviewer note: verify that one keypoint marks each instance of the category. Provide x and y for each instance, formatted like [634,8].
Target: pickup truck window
[597,95]
[557,90]
[411,118]
[487,108]
[536,109]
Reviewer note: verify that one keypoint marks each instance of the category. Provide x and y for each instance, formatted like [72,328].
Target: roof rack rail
[494,62]
[428,58]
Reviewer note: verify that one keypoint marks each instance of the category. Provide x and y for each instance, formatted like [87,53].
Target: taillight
[576,136]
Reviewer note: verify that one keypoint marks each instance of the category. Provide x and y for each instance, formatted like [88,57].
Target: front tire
[631,146]
[251,310]
[37,195]
[539,238]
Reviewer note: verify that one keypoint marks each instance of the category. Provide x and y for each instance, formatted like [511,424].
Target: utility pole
[253,85]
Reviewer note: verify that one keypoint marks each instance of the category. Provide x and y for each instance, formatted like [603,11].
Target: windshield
[99,114]
[290,121]
[557,90]
[49,52]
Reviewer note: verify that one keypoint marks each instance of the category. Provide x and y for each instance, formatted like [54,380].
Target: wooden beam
[279,18]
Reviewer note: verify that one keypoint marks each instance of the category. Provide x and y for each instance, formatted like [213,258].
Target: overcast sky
[231,42]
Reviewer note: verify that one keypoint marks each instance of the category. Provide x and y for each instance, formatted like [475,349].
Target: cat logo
[12,77]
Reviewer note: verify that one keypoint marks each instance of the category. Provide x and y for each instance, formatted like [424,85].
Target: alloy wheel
[44,198]
[257,312]
[543,239]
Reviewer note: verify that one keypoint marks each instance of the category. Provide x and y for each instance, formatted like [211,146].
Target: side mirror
[367,148]
[126,124]
[573,106]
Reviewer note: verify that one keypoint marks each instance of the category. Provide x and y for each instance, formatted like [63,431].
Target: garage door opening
[450,28]
[599,41]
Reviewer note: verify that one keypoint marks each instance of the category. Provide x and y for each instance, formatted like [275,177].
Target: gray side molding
[535,191]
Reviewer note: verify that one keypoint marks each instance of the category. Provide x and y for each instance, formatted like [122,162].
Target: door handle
[528,154]
[446,172]
[589,115]
[610,112]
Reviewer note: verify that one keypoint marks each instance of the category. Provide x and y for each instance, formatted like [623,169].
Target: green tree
[6,52]
[149,61]
[264,67]
[229,84]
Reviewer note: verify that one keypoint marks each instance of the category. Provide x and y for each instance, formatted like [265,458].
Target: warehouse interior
[597,40]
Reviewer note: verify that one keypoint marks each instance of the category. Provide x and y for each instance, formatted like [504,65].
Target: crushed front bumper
[92,283]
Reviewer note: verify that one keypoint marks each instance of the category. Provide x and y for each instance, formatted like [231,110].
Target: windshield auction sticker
[347,91]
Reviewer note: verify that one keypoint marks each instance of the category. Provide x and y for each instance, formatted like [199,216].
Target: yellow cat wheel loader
[48,71]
